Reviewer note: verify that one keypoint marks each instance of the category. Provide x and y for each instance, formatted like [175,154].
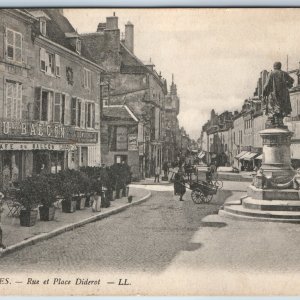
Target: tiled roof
[118,112]
[57,27]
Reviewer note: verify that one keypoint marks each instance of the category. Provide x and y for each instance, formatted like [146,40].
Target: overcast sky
[216,55]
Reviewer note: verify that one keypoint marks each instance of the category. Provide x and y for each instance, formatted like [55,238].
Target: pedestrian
[165,169]
[2,246]
[96,202]
[179,185]
[157,173]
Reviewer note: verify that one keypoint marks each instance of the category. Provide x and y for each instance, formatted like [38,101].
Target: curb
[60,230]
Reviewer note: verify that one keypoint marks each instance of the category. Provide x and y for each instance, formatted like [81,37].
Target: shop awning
[241,154]
[259,157]
[250,156]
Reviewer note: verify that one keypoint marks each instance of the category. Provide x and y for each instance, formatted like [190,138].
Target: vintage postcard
[149,151]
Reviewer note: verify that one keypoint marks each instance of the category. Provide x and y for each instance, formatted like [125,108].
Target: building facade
[50,96]
[132,83]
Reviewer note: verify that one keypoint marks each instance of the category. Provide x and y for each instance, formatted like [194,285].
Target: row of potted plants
[43,191]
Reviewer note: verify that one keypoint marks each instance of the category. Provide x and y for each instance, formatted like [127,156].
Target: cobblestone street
[145,238]
[157,242]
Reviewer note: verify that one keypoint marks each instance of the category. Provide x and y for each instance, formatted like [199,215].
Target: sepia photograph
[149,151]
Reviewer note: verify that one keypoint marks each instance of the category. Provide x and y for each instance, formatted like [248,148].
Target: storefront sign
[36,146]
[122,138]
[132,142]
[34,130]
[86,137]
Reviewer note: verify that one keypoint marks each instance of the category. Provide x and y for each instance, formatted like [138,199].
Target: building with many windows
[49,96]
[132,83]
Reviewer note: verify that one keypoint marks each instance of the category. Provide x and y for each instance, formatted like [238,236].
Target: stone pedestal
[271,197]
[276,164]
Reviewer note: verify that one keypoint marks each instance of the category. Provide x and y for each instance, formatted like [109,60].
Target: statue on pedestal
[276,101]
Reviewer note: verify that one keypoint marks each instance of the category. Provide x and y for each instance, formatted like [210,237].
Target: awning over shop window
[250,156]
[259,157]
[240,154]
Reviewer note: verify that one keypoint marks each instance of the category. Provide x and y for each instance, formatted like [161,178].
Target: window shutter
[82,77]
[57,65]
[37,103]
[82,123]
[50,106]
[96,116]
[89,79]
[20,104]
[43,59]
[57,108]
[67,110]
[10,44]
[18,47]
[86,115]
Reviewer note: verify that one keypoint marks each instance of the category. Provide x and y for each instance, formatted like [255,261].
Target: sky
[216,55]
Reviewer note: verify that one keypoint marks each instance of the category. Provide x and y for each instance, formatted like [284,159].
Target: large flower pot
[47,213]
[28,217]
[68,206]
[80,202]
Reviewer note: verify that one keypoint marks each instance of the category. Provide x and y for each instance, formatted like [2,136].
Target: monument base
[271,197]
[265,205]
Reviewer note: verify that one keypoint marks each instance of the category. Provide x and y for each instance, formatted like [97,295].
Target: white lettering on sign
[37,146]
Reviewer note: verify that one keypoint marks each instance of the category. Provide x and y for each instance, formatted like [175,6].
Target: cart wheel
[197,196]
[218,184]
[208,198]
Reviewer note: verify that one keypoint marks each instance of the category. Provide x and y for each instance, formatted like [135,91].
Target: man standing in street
[157,173]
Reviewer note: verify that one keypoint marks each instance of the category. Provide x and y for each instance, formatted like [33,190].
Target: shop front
[29,148]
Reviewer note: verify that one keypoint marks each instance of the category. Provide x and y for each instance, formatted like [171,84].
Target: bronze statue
[276,102]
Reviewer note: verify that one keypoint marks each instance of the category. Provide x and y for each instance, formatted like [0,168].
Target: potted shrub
[66,186]
[48,194]
[28,196]
[81,188]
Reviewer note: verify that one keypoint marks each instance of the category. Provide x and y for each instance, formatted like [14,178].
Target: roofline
[23,13]
[131,113]
[139,61]
[71,52]
[127,108]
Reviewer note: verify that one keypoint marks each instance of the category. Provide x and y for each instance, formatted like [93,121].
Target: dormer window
[43,24]
[78,46]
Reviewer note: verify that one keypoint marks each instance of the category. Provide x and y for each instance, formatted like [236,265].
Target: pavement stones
[16,237]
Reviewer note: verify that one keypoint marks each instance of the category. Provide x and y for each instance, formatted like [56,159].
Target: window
[78,46]
[43,105]
[13,45]
[105,94]
[13,101]
[87,78]
[49,62]
[59,108]
[43,27]
[57,65]
[90,115]
[75,112]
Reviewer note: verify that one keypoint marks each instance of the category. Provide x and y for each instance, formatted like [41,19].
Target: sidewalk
[15,236]
[150,181]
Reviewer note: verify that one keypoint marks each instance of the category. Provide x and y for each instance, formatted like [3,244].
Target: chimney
[101,27]
[129,36]
[112,22]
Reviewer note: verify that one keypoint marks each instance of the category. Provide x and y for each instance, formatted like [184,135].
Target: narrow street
[164,234]
[145,237]
[163,241]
